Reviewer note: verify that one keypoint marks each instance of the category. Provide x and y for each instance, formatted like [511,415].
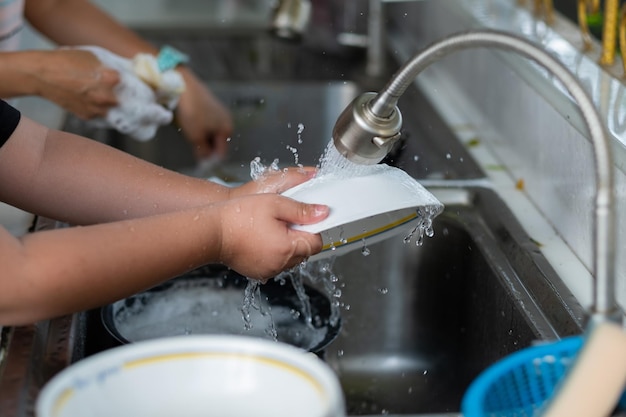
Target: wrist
[21,72]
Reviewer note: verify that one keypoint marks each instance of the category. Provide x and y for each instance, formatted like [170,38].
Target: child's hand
[275,181]
[256,238]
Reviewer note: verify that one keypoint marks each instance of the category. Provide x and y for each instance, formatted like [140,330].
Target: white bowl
[376,204]
[193,376]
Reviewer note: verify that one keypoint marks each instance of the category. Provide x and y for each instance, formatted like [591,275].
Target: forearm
[17,72]
[66,177]
[47,274]
[79,22]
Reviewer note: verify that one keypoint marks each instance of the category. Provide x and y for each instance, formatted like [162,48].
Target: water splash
[251,293]
[258,170]
[333,162]
[253,300]
[365,251]
[296,157]
[424,225]
[299,132]
[319,272]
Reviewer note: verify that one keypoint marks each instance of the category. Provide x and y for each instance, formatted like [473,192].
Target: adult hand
[77,81]
[256,238]
[138,112]
[204,121]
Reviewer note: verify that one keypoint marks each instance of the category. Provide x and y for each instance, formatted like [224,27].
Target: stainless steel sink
[424,321]
[419,323]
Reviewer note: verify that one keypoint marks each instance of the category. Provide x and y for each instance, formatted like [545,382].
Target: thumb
[296,212]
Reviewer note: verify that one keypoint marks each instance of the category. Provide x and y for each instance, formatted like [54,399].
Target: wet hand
[138,112]
[77,81]
[257,240]
[203,119]
[275,181]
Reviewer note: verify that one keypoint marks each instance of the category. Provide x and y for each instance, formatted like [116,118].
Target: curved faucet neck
[384,104]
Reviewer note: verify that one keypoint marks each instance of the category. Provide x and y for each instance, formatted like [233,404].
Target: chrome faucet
[367,129]
[290,18]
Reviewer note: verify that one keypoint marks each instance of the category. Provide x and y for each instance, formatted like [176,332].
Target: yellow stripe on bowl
[371,233]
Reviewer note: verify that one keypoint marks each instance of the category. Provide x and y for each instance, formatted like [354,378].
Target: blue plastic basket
[521,384]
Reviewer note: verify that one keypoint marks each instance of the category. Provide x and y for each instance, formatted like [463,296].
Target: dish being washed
[377,203]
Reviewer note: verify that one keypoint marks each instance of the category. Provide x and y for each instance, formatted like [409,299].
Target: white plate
[365,209]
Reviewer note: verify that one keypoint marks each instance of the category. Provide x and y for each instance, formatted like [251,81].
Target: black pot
[210,301]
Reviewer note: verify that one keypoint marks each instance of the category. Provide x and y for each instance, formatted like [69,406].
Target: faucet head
[363,137]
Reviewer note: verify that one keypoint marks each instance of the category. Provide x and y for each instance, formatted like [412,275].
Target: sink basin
[419,323]
[424,321]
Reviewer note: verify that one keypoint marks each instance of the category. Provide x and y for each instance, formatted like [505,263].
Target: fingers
[295,176]
[280,181]
[305,245]
[219,144]
[296,212]
[212,145]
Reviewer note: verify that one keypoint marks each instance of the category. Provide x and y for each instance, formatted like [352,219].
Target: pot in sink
[210,302]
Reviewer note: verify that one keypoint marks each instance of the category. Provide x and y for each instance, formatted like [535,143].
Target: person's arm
[49,273]
[80,22]
[46,274]
[83,182]
[205,122]
[75,80]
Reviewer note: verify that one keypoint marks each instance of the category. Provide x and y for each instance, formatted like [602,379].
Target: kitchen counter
[30,355]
